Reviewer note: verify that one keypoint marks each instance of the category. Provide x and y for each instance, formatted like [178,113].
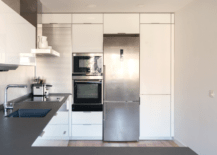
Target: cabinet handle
[64,132]
[43,132]
[86,124]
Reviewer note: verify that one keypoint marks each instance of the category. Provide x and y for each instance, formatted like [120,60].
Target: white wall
[57,70]
[195,75]
[23,75]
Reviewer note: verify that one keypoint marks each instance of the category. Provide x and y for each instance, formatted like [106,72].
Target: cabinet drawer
[56,18]
[60,118]
[86,118]
[86,130]
[56,131]
[156,18]
[87,18]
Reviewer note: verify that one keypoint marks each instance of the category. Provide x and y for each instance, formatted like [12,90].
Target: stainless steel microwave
[87,64]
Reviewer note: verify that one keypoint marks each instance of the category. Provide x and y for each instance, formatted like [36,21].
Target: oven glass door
[87,64]
[87,91]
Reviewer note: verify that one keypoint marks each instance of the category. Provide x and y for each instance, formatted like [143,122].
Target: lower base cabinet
[155,117]
[87,126]
[87,132]
[55,132]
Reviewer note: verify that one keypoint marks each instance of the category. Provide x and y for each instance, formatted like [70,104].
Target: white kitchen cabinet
[58,127]
[60,118]
[156,18]
[87,125]
[155,117]
[87,132]
[87,38]
[17,35]
[87,18]
[121,23]
[55,132]
[56,18]
[155,59]
[87,118]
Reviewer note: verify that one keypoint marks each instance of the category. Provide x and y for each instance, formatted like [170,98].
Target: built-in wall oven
[87,93]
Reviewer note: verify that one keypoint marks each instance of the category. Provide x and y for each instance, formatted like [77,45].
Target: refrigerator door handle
[104,71]
[104,111]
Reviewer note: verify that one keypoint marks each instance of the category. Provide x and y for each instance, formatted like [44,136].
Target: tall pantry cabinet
[156,76]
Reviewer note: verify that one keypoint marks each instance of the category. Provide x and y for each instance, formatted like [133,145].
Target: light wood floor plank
[122,144]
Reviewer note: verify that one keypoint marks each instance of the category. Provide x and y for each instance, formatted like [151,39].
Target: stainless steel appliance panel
[38,90]
[121,88]
[87,64]
[121,59]
[121,121]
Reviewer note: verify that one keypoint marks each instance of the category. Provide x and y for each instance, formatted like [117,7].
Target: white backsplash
[57,70]
[23,75]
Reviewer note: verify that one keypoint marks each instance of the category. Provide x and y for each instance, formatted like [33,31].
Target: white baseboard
[155,138]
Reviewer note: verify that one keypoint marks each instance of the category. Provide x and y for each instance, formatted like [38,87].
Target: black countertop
[18,134]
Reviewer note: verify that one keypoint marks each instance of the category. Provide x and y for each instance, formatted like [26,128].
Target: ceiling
[67,6]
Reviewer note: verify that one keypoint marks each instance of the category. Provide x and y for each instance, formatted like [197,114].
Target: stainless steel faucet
[6,106]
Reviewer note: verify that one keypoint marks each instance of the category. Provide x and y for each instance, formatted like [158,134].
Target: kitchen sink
[27,113]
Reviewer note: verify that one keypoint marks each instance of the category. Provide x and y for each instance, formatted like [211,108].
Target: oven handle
[98,82]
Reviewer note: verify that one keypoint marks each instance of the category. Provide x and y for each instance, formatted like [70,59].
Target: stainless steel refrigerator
[121,88]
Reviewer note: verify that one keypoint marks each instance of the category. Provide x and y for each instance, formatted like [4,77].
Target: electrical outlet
[211,93]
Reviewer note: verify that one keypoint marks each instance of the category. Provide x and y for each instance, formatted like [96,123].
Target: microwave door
[82,64]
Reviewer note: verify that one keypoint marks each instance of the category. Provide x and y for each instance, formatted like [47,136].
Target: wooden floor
[118,144]
[66,143]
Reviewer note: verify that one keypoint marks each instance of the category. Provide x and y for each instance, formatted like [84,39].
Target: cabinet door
[87,18]
[121,23]
[56,131]
[17,35]
[60,118]
[156,18]
[155,116]
[56,18]
[87,38]
[155,49]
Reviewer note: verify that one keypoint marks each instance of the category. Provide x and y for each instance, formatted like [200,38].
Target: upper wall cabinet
[87,18]
[56,18]
[16,35]
[157,18]
[121,23]
[87,38]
